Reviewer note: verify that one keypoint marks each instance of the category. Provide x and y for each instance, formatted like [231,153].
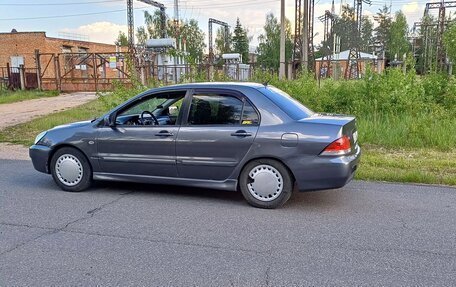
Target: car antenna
[266,83]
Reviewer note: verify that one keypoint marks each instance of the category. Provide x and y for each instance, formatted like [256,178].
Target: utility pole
[282,40]
[305,37]
[176,10]
[131,26]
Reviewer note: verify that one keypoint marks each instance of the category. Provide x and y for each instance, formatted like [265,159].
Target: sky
[101,20]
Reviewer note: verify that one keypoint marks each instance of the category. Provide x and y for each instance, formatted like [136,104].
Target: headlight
[39,137]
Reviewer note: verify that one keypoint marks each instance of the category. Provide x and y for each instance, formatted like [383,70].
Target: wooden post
[38,68]
[57,72]
[95,76]
[22,76]
[10,81]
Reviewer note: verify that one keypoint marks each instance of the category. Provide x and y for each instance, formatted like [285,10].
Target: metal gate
[71,72]
[15,78]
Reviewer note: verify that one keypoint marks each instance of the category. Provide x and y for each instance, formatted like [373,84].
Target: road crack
[91,213]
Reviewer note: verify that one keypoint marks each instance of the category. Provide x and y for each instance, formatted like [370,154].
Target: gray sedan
[230,136]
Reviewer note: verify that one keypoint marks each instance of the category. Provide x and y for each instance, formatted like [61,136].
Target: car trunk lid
[347,124]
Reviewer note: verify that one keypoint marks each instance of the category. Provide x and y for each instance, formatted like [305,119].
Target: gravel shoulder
[13,152]
[20,112]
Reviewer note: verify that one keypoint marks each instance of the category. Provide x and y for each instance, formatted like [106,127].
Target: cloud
[413,11]
[102,32]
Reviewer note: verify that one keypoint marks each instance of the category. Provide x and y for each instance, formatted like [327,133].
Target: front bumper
[40,157]
[327,172]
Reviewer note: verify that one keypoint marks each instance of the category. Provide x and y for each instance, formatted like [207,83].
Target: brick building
[16,47]
[339,65]
[64,64]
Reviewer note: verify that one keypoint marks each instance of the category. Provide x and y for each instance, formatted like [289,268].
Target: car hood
[72,125]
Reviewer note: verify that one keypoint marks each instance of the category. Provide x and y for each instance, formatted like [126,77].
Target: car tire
[266,183]
[71,170]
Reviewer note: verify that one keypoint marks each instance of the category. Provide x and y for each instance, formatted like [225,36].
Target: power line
[219,5]
[59,4]
[65,16]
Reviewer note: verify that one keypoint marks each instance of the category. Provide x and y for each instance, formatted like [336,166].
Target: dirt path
[13,152]
[20,112]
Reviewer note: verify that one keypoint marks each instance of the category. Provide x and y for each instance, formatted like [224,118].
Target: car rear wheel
[266,183]
[71,170]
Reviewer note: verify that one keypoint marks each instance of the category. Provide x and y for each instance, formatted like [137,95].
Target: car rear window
[288,104]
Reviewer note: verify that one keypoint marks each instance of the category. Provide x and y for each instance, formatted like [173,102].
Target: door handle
[164,134]
[241,133]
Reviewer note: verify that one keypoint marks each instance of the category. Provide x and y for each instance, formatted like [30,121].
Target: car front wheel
[266,183]
[71,170]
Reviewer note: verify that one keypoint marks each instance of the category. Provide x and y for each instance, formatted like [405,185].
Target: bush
[392,109]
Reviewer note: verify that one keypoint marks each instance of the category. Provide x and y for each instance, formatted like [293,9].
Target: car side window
[160,109]
[219,109]
[249,115]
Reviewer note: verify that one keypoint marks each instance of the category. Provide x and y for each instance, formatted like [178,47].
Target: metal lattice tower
[311,56]
[428,42]
[297,45]
[131,26]
[328,39]
[211,43]
[353,69]
[441,26]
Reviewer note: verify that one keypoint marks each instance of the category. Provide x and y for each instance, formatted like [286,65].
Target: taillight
[341,146]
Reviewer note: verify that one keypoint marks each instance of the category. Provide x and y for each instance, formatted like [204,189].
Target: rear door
[215,135]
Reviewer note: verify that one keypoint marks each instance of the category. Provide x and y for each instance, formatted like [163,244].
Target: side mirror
[112,120]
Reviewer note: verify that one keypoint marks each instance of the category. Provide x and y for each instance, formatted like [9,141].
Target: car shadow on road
[316,199]
[169,190]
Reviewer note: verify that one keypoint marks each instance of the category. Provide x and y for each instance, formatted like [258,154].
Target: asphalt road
[124,234]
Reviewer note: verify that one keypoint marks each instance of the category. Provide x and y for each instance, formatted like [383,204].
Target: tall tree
[193,37]
[367,28]
[449,40]
[382,32]
[221,46]
[398,37]
[122,39]
[269,43]
[345,28]
[142,35]
[153,24]
[241,41]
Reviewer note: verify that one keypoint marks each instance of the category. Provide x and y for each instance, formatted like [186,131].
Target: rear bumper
[327,172]
[40,157]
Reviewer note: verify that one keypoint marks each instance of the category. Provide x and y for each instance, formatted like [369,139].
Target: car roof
[209,85]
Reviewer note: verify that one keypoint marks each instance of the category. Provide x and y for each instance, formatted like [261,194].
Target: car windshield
[288,104]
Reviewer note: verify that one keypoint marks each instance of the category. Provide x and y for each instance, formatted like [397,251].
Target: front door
[218,132]
[143,140]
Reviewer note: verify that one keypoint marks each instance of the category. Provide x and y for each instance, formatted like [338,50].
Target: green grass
[25,133]
[7,96]
[408,165]
[407,131]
